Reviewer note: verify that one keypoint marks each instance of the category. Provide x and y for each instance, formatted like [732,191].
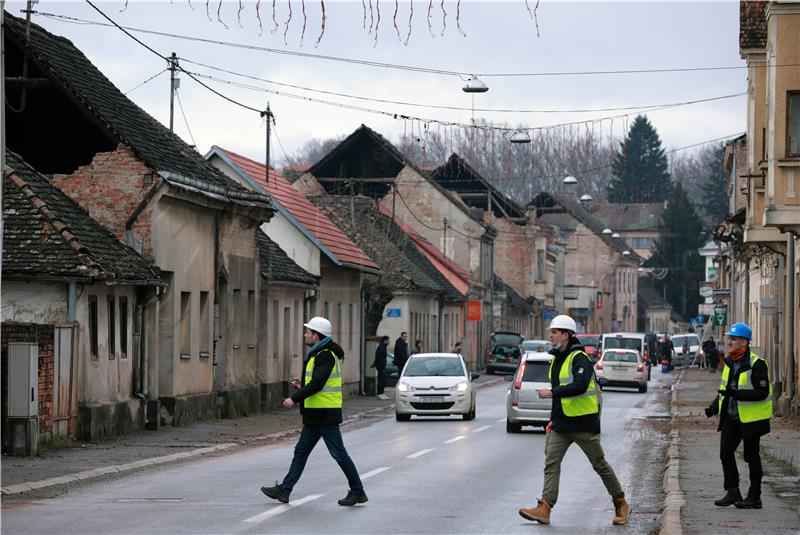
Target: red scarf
[736,357]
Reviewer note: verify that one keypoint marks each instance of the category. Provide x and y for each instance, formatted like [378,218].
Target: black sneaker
[276,493]
[353,498]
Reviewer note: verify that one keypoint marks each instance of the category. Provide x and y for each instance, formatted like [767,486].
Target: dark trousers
[381,380]
[309,437]
[731,436]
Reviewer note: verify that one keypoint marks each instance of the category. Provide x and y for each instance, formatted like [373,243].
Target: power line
[398,66]
[145,82]
[456,108]
[185,120]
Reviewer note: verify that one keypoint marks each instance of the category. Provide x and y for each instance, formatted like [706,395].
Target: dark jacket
[582,373]
[380,357]
[323,366]
[760,378]
[400,352]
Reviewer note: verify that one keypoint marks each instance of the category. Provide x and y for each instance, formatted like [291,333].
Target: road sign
[394,312]
[720,316]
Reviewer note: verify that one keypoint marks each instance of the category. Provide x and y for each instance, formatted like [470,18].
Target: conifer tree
[640,168]
[715,185]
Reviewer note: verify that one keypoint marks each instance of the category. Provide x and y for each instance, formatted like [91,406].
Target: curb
[28,486]
[674,499]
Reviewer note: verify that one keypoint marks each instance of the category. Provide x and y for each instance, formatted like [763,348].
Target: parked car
[435,384]
[505,352]
[536,346]
[591,343]
[524,406]
[695,349]
[621,367]
[636,341]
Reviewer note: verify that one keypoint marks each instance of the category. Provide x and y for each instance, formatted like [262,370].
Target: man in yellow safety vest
[575,417]
[744,405]
[320,399]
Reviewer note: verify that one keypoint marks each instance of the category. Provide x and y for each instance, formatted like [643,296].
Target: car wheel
[402,417]
[643,388]
[470,415]
[512,428]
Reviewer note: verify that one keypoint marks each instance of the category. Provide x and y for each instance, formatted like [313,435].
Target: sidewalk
[81,461]
[700,471]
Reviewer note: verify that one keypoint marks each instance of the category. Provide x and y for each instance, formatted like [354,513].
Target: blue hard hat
[740,330]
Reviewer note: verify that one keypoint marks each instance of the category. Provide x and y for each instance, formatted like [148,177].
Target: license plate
[432,399]
[618,368]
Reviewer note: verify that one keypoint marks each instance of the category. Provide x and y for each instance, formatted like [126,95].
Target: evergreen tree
[715,185]
[640,168]
[681,235]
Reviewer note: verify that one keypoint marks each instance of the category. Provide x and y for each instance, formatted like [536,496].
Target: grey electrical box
[23,380]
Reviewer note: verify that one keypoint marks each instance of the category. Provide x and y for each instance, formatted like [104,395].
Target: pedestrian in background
[575,417]
[744,405]
[456,348]
[320,399]
[710,351]
[380,366]
[417,347]
[401,351]
[665,351]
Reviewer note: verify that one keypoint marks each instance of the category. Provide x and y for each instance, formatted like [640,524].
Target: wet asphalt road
[424,476]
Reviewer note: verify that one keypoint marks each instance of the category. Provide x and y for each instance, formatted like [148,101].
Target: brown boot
[540,513]
[622,511]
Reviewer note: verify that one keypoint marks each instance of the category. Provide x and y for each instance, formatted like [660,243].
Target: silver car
[695,353]
[621,367]
[435,384]
[524,406]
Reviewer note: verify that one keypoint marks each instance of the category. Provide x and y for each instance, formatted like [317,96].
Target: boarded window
[93,325]
[123,326]
[112,329]
[205,329]
[350,325]
[186,325]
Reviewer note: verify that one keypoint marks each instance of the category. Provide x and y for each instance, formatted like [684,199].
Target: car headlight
[462,387]
[405,387]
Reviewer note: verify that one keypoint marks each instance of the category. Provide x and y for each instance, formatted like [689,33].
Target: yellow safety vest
[583,404]
[330,397]
[749,411]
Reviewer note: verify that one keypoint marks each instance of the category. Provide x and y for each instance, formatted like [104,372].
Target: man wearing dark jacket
[380,366]
[401,351]
[320,399]
[575,417]
[744,405]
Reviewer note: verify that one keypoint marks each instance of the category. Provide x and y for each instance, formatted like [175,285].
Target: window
[112,330]
[793,123]
[339,322]
[186,325]
[205,332]
[276,325]
[236,319]
[350,325]
[123,326]
[640,243]
[93,325]
[540,265]
[250,324]
[326,311]
[287,314]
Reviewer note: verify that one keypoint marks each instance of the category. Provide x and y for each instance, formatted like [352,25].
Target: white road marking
[282,508]
[478,430]
[455,439]
[501,420]
[420,453]
[375,472]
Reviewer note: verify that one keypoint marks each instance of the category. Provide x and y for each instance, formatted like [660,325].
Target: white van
[635,341]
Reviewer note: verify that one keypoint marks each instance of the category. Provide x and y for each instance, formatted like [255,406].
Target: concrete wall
[33,302]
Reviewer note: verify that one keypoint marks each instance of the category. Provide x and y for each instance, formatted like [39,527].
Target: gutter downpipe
[790,316]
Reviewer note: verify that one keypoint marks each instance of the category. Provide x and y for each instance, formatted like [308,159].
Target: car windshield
[678,340]
[613,342]
[613,356]
[536,372]
[540,346]
[587,340]
[433,366]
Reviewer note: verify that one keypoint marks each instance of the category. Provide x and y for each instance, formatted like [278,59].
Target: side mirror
[474,376]
[509,378]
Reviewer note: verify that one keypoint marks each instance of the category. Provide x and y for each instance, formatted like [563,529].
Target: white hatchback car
[435,384]
[621,367]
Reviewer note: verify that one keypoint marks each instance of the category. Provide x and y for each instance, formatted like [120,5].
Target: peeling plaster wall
[33,302]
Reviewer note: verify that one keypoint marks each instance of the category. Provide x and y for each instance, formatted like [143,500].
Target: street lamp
[626,253]
[570,180]
[586,197]
[474,85]
[520,136]
[616,235]
[607,231]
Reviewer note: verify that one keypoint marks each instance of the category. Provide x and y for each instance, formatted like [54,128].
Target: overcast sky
[500,37]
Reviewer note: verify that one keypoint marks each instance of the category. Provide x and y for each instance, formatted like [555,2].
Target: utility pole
[174,83]
[270,117]
[444,236]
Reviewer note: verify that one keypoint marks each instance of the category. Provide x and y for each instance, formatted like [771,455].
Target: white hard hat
[321,325]
[563,322]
